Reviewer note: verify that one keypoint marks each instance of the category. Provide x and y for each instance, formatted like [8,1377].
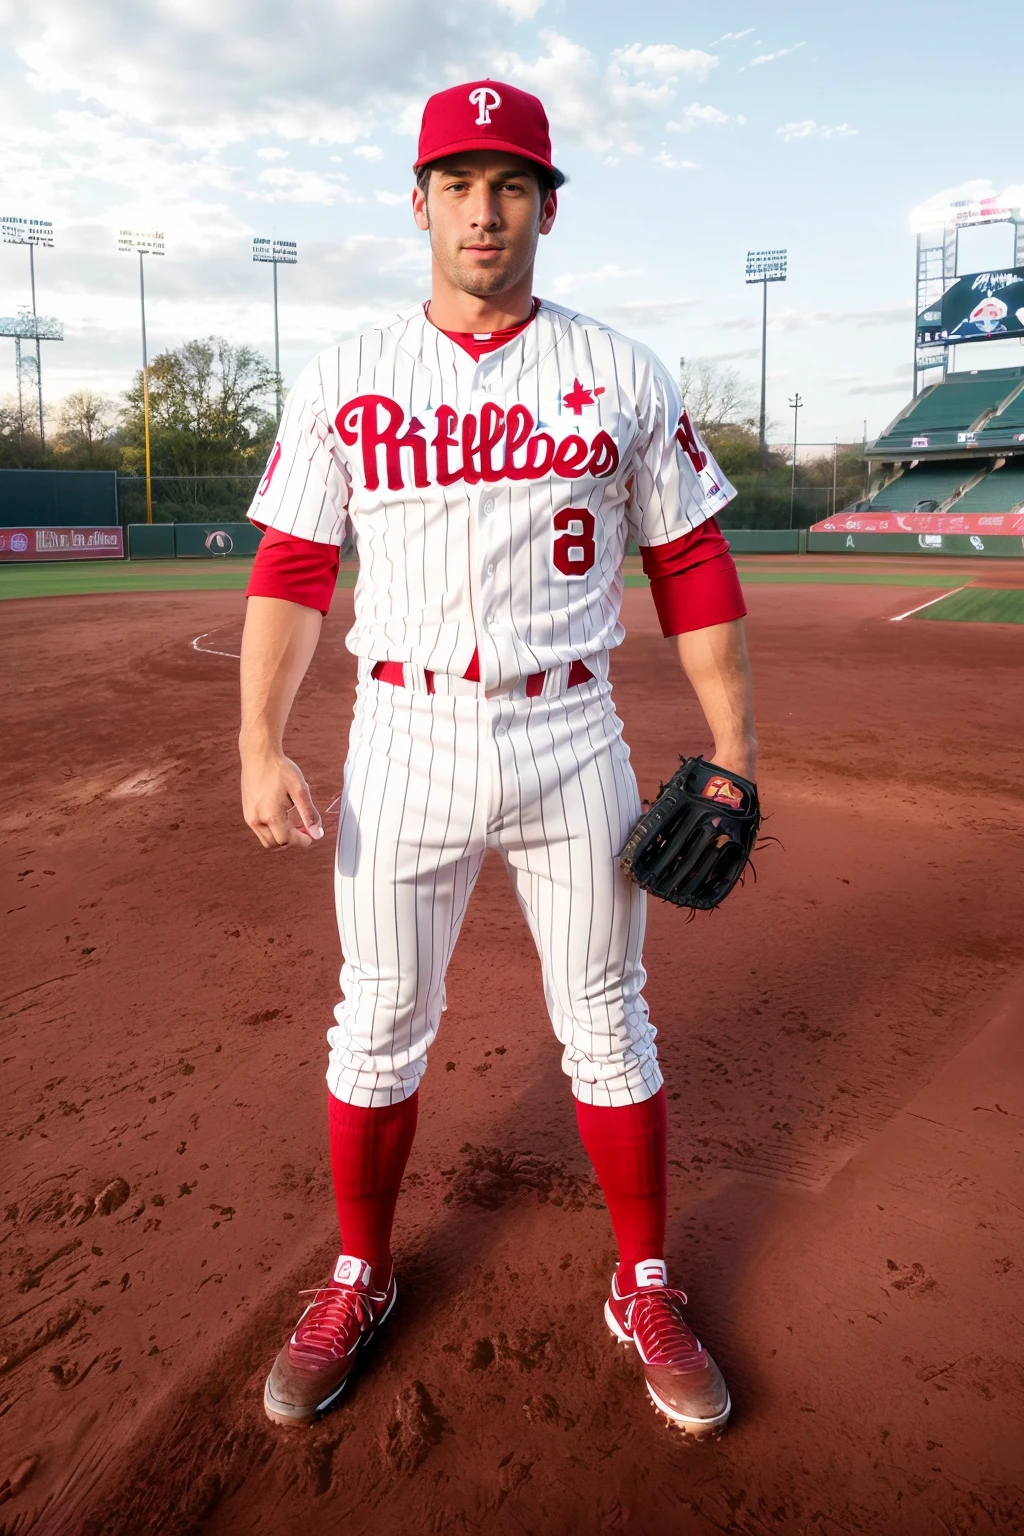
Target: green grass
[978,605]
[754,576]
[852,577]
[72,579]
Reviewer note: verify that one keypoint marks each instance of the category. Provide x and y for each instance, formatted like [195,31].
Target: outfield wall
[192,541]
[766,541]
[227,540]
[978,547]
[58,498]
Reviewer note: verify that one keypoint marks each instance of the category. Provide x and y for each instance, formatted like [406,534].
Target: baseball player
[490,454]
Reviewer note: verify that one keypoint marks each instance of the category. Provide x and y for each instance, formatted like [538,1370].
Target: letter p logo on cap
[487,100]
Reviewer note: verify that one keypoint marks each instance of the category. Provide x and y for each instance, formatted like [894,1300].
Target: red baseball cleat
[682,1379]
[311,1371]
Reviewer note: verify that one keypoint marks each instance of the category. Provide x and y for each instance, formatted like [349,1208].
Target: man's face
[485,212]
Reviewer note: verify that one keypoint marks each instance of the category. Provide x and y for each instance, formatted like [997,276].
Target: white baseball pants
[431,782]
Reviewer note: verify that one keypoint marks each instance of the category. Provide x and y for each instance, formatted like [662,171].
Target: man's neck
[453,310]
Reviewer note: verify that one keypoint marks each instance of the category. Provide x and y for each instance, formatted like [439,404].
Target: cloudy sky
[689,134]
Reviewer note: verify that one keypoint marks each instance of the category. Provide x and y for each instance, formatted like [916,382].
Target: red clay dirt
[841,1044]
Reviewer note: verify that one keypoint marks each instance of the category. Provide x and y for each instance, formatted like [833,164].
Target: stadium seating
[932,482]
[1007,429]
[946,412]
[1002,491]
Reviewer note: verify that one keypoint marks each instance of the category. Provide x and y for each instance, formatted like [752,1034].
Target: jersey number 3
[574,550]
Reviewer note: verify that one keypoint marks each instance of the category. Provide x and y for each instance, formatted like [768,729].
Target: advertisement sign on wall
[61,543]
[934,524]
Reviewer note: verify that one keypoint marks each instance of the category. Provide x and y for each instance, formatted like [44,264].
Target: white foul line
[208,650]
[951,593]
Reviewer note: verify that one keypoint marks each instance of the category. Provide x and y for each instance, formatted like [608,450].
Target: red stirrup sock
[628,1146]
[369,1151]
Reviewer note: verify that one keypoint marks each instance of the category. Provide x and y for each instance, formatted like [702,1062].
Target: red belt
[394,672]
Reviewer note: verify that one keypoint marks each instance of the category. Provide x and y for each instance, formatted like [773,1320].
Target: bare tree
[86,420]
[716,396]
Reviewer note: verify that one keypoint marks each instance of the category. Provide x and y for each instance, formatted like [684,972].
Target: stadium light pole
[278,253]
[795,403]
[765,267]
[147,243]
[20,327]
[32,232]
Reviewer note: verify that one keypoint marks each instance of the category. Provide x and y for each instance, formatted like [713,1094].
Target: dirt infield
[840,1042]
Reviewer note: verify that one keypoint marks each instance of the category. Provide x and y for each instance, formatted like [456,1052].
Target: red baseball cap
[485,114]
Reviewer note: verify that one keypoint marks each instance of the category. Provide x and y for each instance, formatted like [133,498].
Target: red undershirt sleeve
[694,581]
[297,570]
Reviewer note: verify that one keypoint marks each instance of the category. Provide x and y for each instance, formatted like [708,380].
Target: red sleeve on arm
[298,570]
[694,581]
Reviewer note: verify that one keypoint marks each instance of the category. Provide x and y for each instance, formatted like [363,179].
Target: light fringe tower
[795,404]
[22,327]
[147,243]
[31,232]
[278,253]
[765,267]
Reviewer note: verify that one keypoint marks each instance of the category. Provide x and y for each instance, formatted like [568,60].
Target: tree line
[212,414]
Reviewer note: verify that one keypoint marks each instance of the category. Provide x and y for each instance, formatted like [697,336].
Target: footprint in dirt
[910,1278]
[416,1426]
[490,1176]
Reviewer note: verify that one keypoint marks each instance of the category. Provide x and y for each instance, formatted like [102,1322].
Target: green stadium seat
[1006,430]
[931,482]
[1001,491]
[945,412]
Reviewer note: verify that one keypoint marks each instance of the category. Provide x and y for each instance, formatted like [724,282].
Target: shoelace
[326,1330]
[660,1329]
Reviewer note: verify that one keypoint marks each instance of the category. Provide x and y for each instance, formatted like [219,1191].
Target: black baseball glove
[694,842]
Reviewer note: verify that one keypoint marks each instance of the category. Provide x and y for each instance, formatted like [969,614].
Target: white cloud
[568,282]
[222,72]
[932,213]
[665,61]
[521,10]
[272,153]
[98,171]
[696,114]
[369,152]
[732,37]
[809,129]
[667,162]
[646,313]
[803,319]
[604,108]
[288,185]
[766,58]
[393,199]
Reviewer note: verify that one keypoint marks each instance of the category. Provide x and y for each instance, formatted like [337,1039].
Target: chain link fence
[186,498]
[761,504]
[829,477]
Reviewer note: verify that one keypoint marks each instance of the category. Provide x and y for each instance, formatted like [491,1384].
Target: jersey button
[490,570]
[489,505]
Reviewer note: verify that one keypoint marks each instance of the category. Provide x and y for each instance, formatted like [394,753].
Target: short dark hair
[548,181]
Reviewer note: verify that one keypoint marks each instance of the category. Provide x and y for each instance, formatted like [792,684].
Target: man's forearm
[278,642]
[716,663]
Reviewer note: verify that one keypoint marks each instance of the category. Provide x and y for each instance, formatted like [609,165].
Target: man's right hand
[276,801]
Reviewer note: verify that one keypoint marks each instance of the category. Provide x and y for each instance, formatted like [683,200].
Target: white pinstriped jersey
[492,500]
